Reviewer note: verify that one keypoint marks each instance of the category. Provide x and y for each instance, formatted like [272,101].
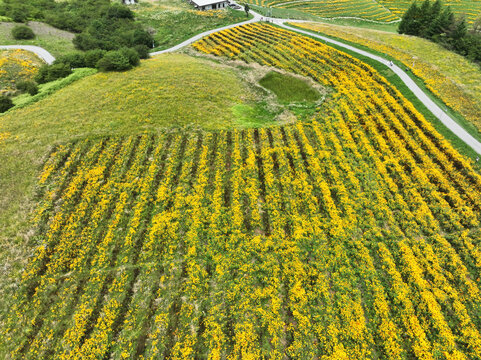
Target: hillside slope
[451,77]
[170,90]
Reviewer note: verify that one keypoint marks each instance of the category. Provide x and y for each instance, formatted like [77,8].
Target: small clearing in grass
[288,88]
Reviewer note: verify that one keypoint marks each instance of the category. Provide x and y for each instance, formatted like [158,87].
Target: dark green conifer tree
[409,24]
[424,17]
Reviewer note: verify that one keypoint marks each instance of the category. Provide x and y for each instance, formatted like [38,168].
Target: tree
[22,32]
[424,18]
[457,37]
[441,26]
[52,72]
[476,28]
[409,24]
[435,14]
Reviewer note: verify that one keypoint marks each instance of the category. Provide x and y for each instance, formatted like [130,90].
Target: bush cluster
[5,103]
[437,23]
[52,72]
[22,32]
[107,34]
[114,60]
[99,24]
[27,86]
[72,15]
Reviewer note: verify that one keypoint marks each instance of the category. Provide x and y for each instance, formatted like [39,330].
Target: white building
[209,4]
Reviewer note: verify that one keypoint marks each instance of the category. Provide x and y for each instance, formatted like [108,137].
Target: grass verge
[51,87]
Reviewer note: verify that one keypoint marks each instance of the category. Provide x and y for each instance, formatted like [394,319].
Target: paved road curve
[40,52]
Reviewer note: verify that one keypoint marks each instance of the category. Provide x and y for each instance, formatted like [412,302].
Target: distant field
[56,41]
[376,10]
[366,9]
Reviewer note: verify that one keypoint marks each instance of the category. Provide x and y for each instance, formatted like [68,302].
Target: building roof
[207,2]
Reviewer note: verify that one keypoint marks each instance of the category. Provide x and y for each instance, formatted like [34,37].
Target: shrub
[73,60]
[114,61]
[22,32]
[19,14]
[142,37]
[92,57]
[117,11]
[53,72]
[5,103]
[28,87]
[85,41]
[143,51]
[132,55]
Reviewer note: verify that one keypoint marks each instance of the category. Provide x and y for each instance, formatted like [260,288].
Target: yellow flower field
[449,76]
[16,65]
[354,235]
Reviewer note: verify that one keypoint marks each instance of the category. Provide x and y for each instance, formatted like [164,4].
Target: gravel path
[40,52]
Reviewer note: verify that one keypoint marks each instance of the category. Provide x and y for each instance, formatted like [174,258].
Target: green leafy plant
[22,32]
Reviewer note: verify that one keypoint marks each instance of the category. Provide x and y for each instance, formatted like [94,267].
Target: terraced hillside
[376,10]
[15,66]
[366,9]
[354,235]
